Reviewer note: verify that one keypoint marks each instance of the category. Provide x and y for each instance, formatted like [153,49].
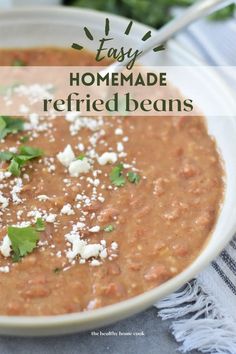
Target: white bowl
[62,27]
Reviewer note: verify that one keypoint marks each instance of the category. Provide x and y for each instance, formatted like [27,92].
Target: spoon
[198,10]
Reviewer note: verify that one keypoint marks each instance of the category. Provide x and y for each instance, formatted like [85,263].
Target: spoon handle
[198,10]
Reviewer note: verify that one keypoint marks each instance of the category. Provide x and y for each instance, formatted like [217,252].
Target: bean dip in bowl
[103,216]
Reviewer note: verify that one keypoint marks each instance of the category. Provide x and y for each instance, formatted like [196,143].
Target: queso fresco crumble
[97,210]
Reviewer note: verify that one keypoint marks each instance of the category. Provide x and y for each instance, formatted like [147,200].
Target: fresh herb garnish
[24,139]
[18,160]
[118,179]
[30,152]
[23,240]
[57,270]
[18,62]
[14,168]
[152,13]
[6,155]
[133,177]
[116,176]
[80,157]
[109,228]
[9,125]
[40,225]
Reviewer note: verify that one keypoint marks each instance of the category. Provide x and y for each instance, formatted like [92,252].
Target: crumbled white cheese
[114,246]
[101,199]
[35,214]
[4,202]
[81,147]
[42,197]
[120,147]
[78,122]
[16,190]
[118,131]
[67,210]
[4,175]
[5,269]
[13,149]
[91,250]
[23,109]
[103,253]
[107,157]
[67,156]
[5,247]
[51,218]
[77,245]
[79,166]
[83,249]
[58,254]
[72,116]
[95,263]
[95,229]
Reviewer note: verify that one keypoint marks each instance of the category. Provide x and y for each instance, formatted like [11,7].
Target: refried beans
[94,211]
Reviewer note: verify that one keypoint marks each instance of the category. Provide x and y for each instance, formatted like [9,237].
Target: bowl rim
[140,302]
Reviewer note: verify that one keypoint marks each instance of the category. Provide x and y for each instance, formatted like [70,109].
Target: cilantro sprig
[18,160]
[109,228]
[80,157]
[40,225]
[24,239]
[118,178]
[9,125]
[133,177]
[18,62]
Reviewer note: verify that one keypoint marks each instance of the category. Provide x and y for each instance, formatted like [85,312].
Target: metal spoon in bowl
[198,10]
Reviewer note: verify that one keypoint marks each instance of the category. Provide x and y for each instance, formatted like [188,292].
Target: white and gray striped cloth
[204,312]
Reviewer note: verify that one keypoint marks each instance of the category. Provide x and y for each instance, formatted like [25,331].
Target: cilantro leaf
[30,151]
[18,62]
[25,154]
[10,125]
[133,177]
[6,155]
[80,157]
[2,124]
[23,240]
[116,176]
[57,270]
[24,139]
[14,168]
[109,228]
[40,224]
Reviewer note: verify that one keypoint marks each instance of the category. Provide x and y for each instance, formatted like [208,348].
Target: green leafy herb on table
[9,125]
[18,160]
[151,12]
[24,239]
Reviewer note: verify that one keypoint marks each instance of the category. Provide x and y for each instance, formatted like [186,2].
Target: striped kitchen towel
[204,311]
